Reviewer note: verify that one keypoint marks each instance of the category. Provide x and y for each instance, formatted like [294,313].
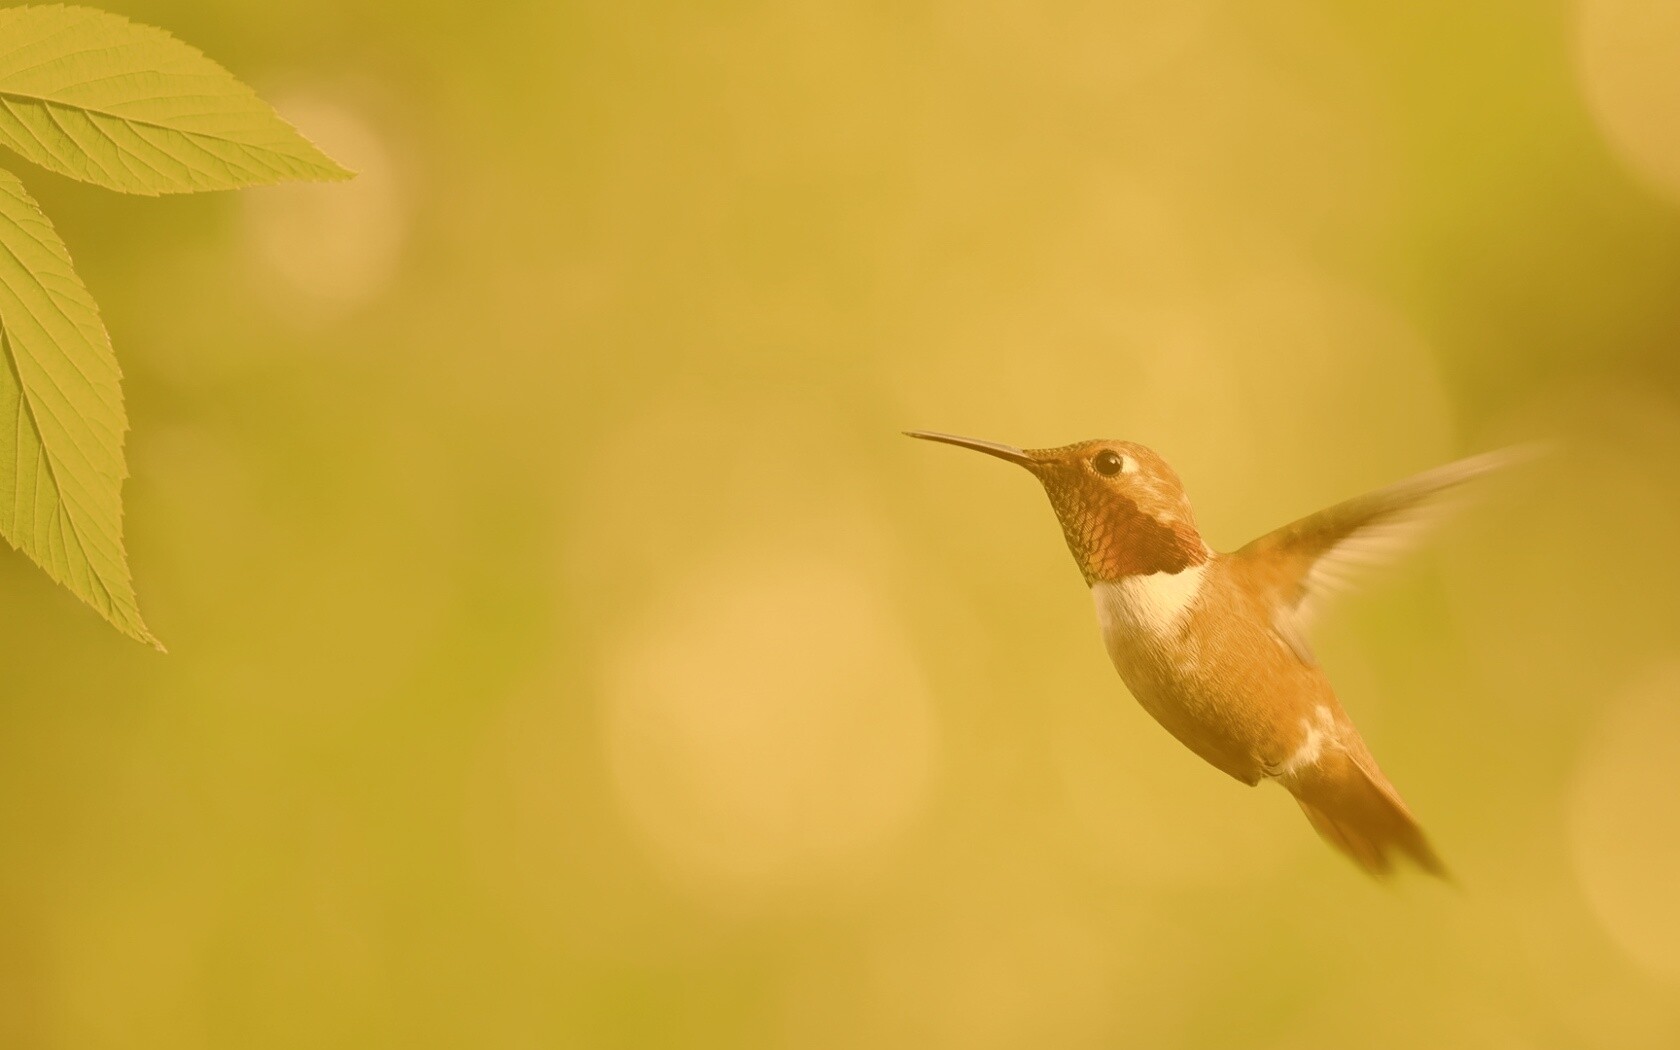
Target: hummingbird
[1214,645]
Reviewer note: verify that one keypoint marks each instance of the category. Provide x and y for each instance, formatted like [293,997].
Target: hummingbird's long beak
[990,448]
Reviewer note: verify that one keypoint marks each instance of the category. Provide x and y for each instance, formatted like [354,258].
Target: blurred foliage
[566,650]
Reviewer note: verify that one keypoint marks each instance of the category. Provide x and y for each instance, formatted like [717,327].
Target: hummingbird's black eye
[1108,463]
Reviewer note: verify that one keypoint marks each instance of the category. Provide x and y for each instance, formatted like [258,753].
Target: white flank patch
[1313,746]
[1152,605]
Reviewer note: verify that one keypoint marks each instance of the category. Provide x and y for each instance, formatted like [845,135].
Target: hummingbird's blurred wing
[1309,561]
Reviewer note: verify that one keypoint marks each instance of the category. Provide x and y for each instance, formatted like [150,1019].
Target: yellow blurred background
[566,650]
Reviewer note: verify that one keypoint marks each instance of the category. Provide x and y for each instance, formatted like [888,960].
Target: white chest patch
[1152,606]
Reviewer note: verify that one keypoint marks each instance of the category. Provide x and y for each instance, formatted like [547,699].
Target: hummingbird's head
[1122,509]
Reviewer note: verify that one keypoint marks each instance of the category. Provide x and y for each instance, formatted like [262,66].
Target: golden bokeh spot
[766,726]
[330,246]
[1628,60]
[1625,822]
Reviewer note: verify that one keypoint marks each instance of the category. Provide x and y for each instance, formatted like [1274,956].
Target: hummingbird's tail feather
[1356,810]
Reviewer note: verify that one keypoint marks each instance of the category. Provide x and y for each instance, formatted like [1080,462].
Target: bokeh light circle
[1628,61]
[766,726]
[330,246]
[1625,822]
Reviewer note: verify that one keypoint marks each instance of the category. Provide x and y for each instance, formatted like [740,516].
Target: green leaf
[128,107]
[61,417]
